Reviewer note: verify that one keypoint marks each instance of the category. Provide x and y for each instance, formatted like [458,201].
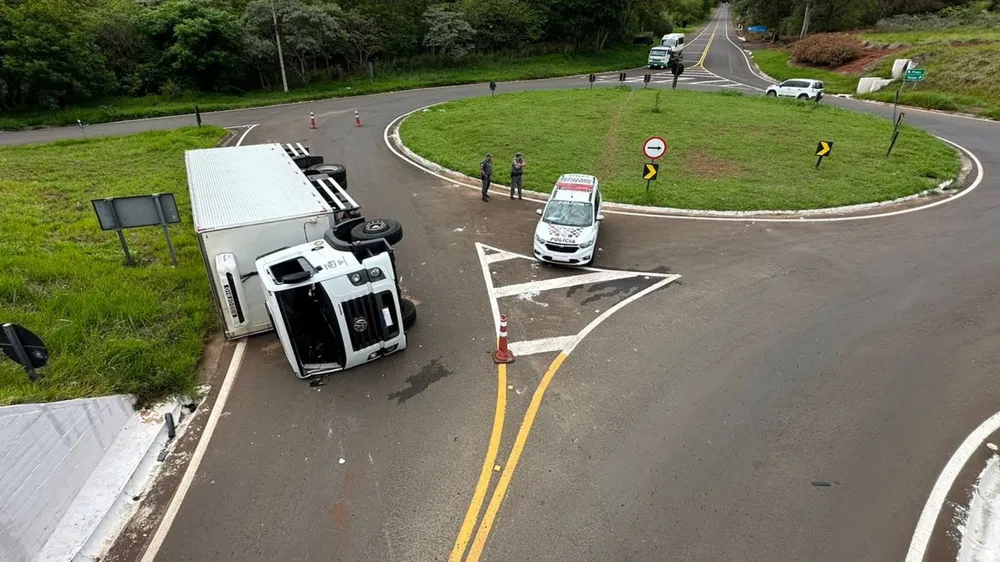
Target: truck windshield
[569,213]
[658,52]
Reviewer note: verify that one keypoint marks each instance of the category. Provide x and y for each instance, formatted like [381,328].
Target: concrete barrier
[870,84]
[898,66]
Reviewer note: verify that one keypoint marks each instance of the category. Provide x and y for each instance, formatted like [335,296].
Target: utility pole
[805,19]
[277,39]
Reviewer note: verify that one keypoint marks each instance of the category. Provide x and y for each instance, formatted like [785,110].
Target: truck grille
[365,322]
[561,248]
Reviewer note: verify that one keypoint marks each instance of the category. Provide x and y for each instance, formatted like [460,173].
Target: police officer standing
[517,175]
[486,172]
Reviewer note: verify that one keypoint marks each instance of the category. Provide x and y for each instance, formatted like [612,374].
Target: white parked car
[567,231]
[801,89]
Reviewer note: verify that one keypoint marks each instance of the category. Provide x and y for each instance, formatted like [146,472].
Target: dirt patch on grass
[611,137]
[869,58]
[704,165]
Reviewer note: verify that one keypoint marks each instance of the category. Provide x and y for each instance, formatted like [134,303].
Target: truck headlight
[357,278]
[587,244]
[375,273]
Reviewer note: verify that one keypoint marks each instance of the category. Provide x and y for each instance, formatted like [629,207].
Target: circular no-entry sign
[654,147]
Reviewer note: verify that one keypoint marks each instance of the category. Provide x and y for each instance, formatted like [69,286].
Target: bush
[827,49]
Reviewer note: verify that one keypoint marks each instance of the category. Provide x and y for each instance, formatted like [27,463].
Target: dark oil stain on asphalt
[622,288]
[430,373]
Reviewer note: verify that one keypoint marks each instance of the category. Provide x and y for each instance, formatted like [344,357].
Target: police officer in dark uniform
[486,173]
[517,175]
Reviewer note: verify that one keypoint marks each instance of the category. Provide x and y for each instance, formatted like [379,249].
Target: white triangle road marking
[564,344]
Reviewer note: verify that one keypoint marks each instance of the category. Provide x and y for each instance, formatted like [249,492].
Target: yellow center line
[508,472]
[472,515]
[707,47]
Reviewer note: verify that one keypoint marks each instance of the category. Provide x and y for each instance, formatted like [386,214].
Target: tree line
[55,53]
[800,17]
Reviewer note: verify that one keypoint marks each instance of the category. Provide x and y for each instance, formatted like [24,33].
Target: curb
[392,135]
[110,495]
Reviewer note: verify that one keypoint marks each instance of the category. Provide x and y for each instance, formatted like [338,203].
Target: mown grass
[109,328]
[776,64]
[727,151]
[497,69]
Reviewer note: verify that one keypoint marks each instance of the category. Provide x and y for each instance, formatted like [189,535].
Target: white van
[674,41]
[567,231]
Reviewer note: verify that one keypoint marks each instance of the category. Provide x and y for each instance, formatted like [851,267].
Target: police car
[567,231]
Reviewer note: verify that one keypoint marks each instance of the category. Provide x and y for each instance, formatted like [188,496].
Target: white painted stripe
[302,148]
[607,313]
[543,345]
[561,283]
[709,82]
[500,256]
[292,149]
[929,515]
[634,273]
[199,453]
[489,286]
[245,133]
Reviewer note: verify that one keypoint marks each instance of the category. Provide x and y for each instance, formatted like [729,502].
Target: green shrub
[827,49]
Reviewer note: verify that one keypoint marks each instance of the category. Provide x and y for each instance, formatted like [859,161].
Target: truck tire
[409,312]
[374,229]
[336,171]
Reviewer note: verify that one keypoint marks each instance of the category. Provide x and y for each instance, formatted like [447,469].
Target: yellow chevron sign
[824,148]
[650,171]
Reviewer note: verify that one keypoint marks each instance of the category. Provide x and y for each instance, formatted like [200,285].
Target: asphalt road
[687,426]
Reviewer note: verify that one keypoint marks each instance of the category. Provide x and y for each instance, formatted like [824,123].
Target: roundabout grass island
[727,151]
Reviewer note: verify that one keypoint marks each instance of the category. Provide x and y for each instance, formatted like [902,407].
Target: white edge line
[664,213]
[929,515]
[175,503]
[747,59]
[607,313]
[541,345]
[245,133]
[213,419]
[490,291]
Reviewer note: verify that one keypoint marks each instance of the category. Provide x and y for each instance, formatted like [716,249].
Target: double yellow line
[707,47]
[490,466]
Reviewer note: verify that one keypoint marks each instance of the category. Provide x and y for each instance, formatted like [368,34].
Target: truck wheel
[336,171]
[374,229]
[409,312]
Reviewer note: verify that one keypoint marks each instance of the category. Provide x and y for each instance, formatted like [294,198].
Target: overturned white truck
[286,248]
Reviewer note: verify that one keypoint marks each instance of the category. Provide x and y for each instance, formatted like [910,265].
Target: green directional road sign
[914,75]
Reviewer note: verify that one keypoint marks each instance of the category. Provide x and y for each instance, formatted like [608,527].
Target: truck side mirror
[600,217]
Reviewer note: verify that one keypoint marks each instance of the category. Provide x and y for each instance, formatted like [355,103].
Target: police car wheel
[336,171]
[408,311]
[374,229]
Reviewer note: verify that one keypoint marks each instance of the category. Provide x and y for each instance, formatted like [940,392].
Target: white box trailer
[247,201]
[286,248]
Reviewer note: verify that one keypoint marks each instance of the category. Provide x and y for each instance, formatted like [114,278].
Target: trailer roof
[256,183]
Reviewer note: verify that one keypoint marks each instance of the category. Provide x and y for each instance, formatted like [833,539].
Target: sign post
[493,87]
[24,348]
[895,133]
[677,70]
[645,80]
[654,148]
[591,79]
[823,150]
[119,213]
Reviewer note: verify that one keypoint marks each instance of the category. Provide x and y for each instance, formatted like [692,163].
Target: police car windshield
[569,213]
